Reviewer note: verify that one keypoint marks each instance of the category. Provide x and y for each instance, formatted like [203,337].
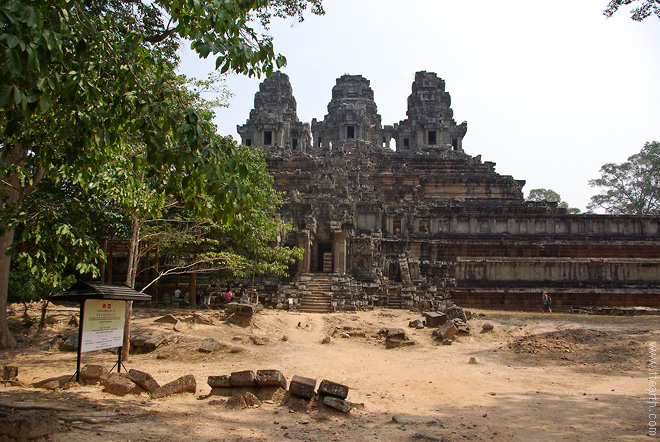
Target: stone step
[316,303]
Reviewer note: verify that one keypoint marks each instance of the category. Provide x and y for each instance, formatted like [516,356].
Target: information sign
[103,324]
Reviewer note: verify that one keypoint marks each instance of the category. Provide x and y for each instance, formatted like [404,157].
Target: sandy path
[504,397]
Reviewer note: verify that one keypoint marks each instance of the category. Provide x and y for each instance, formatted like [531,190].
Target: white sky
[550,90]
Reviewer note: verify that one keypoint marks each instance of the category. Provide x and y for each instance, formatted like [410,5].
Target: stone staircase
[316,297]
[394,296]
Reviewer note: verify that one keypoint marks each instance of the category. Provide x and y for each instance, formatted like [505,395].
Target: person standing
[546,302]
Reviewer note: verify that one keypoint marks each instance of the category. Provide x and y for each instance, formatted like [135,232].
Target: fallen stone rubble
[135,382]
[447,324]
[395,337]
[248,388]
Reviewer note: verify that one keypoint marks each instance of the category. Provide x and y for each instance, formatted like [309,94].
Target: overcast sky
[550,90]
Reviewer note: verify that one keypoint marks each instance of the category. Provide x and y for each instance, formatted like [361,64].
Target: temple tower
[352,117]
[273,123]
[430,123]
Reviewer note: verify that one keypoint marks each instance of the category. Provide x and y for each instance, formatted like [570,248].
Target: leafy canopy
[552,197]
[638,13]
[632,187]
[81,82]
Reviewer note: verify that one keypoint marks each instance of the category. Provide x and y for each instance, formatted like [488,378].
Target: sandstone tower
[427,221]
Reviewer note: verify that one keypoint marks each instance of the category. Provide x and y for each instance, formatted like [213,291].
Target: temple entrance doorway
[394,272]
[324,259]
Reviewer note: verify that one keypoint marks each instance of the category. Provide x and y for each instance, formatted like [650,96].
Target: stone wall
[429,220]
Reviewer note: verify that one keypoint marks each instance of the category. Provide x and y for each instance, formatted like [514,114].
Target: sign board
[103,324]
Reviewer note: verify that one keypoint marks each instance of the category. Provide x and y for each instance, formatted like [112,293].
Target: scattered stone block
[244,378]
[487,327]
[333,389]
[338,404]
[234,308]
[270,378]
[416,323]
[119,385]
[394,333]
[472,360]
[146,342]
[9,372]
[92,372]
[456,312]
[446,331]
[28,425]
[462,327]
[144,380]
[326,340]
[184,384]
[447,342]
[435,319]
[208,345]
[223,381]
[71,343]
[392,342]
[302,387]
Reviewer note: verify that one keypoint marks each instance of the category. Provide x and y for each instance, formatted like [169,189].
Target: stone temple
[401,216]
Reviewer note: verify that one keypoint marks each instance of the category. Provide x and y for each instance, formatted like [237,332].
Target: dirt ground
[552,377]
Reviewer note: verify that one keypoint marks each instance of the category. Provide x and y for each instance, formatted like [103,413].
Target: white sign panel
[103,324]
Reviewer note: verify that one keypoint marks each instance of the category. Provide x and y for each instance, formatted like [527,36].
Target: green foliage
[22,287]
[53,246]
[88,88]
[638,13]
[248,245]
[552,197]
[543,195]
[632,187]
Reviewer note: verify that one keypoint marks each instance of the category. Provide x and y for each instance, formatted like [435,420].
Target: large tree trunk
[6,339]
[12,192]
[130,281]
[133,255]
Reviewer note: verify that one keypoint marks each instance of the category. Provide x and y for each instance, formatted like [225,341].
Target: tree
[55,243]
[632,187]
[638,13]
[77,76]
[190,245]
[551,196]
